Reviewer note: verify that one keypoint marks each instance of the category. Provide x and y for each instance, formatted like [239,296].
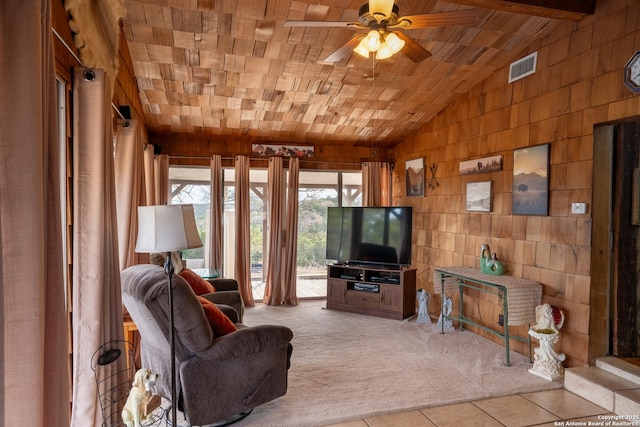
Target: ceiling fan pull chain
[375,118]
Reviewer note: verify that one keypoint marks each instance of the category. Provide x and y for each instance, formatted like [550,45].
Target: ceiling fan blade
[438,19]
[335,24]
[345,50]
[412,49]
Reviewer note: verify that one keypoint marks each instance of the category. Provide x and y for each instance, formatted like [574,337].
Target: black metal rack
[113,365]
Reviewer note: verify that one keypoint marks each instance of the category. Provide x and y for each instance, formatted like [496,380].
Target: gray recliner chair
[217,378]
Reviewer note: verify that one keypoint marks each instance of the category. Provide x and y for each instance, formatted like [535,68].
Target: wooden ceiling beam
[573,10]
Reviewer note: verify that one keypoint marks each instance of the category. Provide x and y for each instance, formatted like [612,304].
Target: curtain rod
[79,61]
[266,158]
[64,43]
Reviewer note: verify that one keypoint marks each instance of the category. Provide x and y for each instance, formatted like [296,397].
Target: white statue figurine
[445,324]
[547,363]
[423,306]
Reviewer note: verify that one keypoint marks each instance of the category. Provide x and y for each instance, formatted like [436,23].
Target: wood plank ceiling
[230,69]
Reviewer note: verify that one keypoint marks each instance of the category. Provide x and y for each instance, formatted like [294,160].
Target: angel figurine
[423,306]
[443,322]
[547,362]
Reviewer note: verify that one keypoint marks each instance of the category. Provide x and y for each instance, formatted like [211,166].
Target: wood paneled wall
[578,84]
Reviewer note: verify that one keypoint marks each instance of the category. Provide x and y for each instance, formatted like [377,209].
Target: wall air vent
[523,67]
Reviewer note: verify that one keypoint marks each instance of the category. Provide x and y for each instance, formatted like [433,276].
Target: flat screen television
[377,236]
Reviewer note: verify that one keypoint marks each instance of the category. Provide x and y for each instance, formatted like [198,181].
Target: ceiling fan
[384,38]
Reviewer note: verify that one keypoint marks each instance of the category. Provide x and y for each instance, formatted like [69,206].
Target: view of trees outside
[198,195]
[192,186]
[312,226]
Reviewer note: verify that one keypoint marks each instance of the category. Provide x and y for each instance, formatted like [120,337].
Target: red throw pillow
[197,283]
[220,323]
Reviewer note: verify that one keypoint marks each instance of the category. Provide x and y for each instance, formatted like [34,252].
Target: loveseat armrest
[229,311]
[222,284]
[224,297]
[230,298]
[247,341]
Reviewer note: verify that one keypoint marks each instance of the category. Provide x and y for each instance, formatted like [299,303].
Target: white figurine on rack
[423,306]
[445,324]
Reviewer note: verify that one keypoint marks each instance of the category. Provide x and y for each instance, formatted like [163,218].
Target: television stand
[382,292]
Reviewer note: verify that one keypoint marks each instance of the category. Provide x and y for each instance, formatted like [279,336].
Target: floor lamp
[168,228]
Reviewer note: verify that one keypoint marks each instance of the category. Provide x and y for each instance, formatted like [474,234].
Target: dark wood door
[625,232]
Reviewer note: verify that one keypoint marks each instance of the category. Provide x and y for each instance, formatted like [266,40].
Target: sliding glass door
[319,191]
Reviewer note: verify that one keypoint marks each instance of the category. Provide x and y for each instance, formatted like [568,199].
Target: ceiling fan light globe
[384,52]
[372,41]
[394,42]
[361,49]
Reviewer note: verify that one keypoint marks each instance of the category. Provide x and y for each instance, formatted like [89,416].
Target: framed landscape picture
[531,181]
[282,150]
[486,164]
[479,196]
[415,177]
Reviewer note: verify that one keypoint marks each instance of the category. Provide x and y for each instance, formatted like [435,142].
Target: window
[64,181]
[192,185]
[318,190]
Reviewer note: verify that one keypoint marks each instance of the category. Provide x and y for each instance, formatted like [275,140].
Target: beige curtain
[97,306]
[385,183]
[276,211]
[376,184]
[149,179]
[291,247]
[129,182]
[243,238]
[214,260]
[161,179]
[33,339]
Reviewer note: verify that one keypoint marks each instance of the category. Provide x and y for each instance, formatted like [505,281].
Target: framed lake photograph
[479,196]
[415,177]
[531,181]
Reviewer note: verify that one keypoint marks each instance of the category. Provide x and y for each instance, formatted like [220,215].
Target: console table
[519,298]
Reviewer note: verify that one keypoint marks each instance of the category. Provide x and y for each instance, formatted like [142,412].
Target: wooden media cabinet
[374,291]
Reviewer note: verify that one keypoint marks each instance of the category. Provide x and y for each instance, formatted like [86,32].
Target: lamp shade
[167,228]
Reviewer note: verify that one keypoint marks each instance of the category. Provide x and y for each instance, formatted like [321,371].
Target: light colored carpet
[348,366]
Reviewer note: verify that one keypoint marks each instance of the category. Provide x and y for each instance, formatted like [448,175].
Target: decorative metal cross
[433,182]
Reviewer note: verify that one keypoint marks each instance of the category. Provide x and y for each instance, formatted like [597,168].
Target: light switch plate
[578,208]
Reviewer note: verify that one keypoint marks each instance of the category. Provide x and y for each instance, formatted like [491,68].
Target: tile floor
[545,408]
